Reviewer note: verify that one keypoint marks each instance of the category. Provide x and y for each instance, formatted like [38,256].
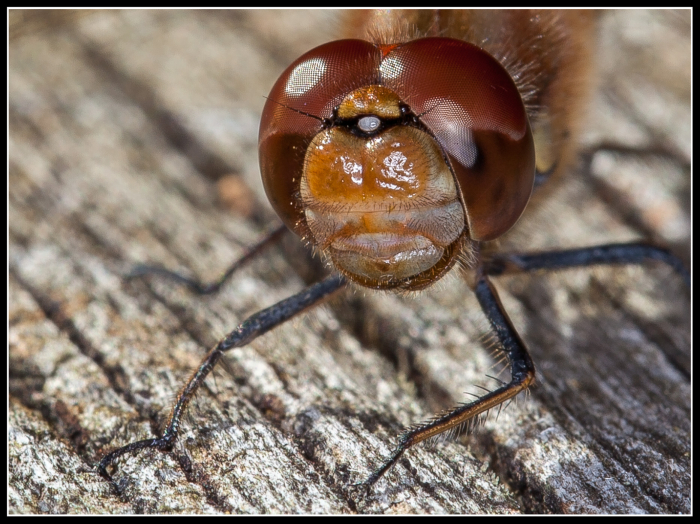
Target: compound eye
[303,97]
[472,106]
[368,124]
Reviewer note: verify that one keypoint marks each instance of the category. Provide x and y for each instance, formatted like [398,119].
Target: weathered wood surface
[126,128]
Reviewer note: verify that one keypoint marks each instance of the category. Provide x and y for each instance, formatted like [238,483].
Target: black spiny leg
[609,254]
[522,369]
[250,329]
[522,376]
[212,287]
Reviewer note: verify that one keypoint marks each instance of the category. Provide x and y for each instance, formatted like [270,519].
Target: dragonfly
[593,333]
[341,167]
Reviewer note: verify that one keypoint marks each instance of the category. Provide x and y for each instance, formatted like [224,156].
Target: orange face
[394,159]
[385,207]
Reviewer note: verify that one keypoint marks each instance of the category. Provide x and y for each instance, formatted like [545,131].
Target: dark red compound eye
[353,131]
[472,106]
[315,84]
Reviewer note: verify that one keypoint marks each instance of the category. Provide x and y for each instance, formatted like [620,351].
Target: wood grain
[133,139]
